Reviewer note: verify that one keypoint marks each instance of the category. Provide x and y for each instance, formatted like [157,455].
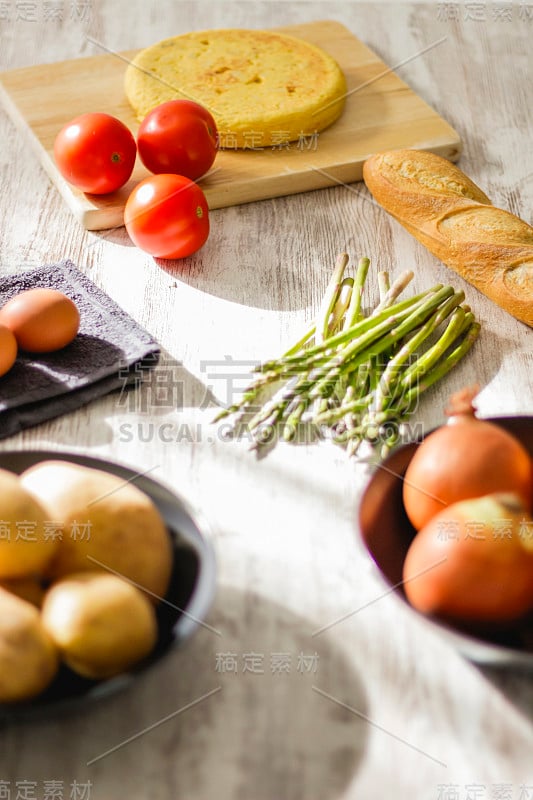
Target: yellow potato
[28,658]
[25,545]
[29,589]
[107,524]
[101,624]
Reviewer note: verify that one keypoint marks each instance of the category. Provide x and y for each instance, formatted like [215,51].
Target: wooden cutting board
[381,113]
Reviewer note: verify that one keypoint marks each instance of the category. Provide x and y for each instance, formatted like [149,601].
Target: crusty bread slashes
[442,208]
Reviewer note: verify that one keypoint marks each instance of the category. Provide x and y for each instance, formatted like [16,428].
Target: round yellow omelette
[264,89]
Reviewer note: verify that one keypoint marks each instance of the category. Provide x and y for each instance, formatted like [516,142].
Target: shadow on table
[516,687]
[149,394]
[260,711]
[283,277]
[168,387]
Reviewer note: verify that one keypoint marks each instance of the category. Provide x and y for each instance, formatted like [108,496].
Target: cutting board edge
[75,203]
[336,174]
[92,219]
[110,215]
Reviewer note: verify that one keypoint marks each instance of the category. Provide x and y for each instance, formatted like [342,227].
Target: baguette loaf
[450,215]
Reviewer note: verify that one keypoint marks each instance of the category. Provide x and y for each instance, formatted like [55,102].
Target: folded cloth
[111,351]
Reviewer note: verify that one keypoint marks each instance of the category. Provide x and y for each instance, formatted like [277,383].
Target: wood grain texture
[423,722]
[381,113]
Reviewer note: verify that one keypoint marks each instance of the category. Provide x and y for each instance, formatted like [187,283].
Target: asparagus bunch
[353,377]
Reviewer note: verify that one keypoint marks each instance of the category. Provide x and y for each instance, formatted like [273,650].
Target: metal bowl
[183,609]
[386,534]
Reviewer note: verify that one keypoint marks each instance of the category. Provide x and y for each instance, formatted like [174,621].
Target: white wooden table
[384,708]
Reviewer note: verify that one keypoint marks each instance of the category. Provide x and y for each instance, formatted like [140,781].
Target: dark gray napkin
[111,351]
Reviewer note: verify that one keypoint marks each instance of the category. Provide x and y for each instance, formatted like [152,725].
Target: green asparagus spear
[359,377]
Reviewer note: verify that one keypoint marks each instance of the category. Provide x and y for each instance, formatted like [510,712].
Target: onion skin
[465,458]
[466,565]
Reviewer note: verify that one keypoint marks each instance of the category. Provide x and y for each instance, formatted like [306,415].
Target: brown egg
[8,350]
[42,320]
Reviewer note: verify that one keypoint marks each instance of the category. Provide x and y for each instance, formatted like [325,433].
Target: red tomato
[167,216]
[95,152]
[179,136]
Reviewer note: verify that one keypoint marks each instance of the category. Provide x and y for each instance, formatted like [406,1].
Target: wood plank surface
[395,712]
[381,113]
